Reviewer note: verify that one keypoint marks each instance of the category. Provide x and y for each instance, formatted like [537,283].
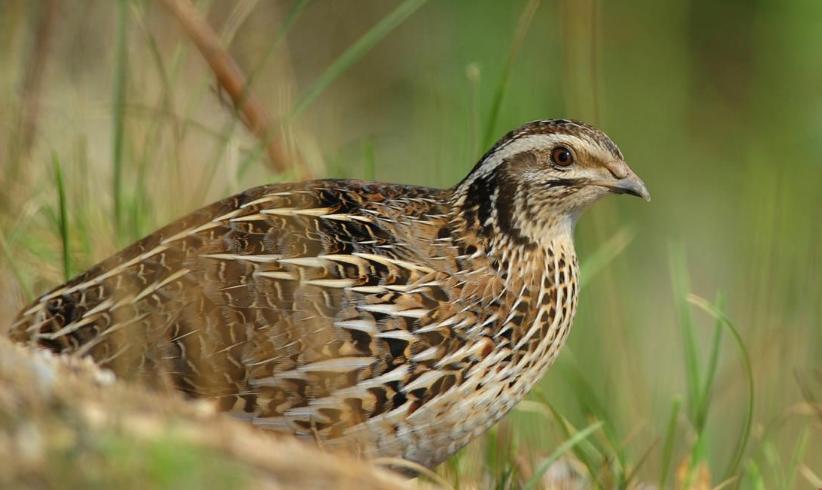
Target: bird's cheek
[586,196]
[595,192]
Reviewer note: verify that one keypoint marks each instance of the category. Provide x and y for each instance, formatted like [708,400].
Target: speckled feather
[395,320]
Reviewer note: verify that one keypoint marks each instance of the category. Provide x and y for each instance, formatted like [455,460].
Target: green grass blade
[697,456]
[355,52]
[702,406]
[454,465]
[681,288]
[120,79]
[593,405]
[62,219]
[559,451]
[587,452]
[520,32]
[710,374]
[773,458]
[491,452]
[753,475]
[499,453]
[504,481]
[742,443]
[668,447]
[796,458]
[631,476]
[605,254]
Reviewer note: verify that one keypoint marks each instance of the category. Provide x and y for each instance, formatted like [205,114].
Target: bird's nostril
[618,169]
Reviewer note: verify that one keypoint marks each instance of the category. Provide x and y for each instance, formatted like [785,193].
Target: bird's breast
[518,337]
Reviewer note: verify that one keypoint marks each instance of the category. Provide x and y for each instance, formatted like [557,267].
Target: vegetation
[65,424]
[694,360]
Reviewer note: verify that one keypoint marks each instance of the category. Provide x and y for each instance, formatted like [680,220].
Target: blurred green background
[716,105]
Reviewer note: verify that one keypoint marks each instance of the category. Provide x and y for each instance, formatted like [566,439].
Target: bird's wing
[309,308]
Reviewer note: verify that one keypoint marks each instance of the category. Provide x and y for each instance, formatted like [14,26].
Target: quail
[390,320]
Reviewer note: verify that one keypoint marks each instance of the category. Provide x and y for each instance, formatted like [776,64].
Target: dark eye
[562,156]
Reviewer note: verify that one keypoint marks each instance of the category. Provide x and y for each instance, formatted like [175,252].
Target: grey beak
[632,185]
[626,181]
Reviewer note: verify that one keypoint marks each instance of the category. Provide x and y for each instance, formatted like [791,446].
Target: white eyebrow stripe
[520,145]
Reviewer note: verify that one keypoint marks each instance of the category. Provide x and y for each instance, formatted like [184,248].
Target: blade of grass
[605,254]
[520,32]
[697,457]
[504,481]
[586,451]
[62,220]
[153,135]
[592,404]
[559,451]
[642,460]
[681,288]
[354,53]
[715,312]
[490,452]
[726,483]
[710,374]
[120,79]
[753,474]
[796,458]
[454,465]
[809,475]
[83,203]
[700,447]
[499,450]
[668,447]
[415,467]
[773,459]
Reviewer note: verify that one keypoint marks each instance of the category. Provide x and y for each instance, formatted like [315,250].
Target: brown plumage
[397,320]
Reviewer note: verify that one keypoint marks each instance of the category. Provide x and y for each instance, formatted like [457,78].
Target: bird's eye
[562,156]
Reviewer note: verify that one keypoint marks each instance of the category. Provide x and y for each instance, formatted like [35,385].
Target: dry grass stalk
[230,78]
[33,80]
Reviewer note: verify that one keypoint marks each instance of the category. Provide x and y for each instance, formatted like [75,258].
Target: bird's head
[542,175]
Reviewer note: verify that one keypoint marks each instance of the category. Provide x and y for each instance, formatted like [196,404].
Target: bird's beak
[625,181]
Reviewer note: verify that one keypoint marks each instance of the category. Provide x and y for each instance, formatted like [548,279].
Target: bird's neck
[509,254]
[502,212]
[494,222]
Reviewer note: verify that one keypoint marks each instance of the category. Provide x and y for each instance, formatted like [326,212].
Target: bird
[393,321]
